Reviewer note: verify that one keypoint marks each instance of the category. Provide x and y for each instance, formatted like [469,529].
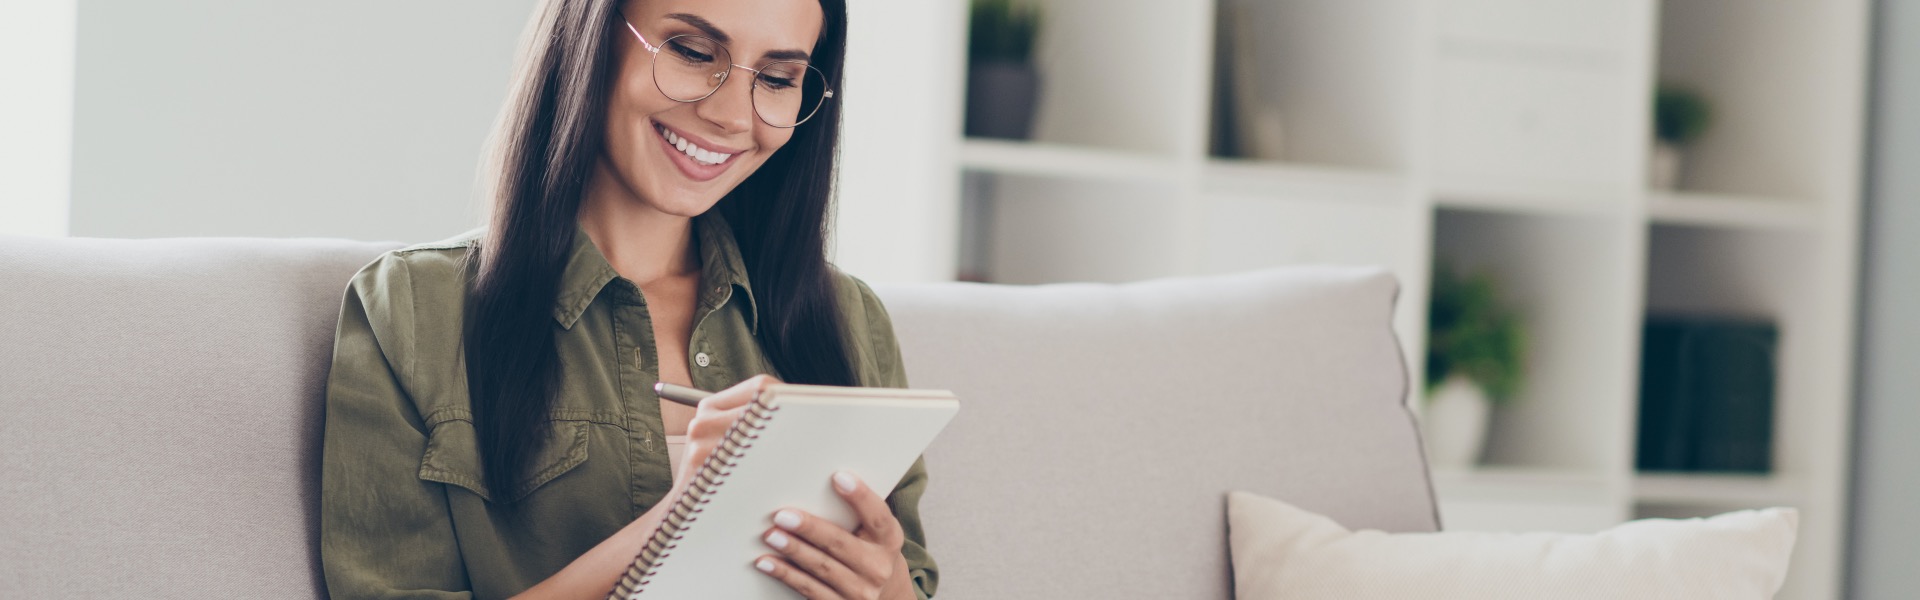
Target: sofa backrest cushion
[160,404]
[1102,426]
[160,414]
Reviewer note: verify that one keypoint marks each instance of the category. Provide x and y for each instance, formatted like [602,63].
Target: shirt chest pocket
[453,458]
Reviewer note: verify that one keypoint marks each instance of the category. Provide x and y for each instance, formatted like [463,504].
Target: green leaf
[1680,116]
[1471,333]
[1002,31]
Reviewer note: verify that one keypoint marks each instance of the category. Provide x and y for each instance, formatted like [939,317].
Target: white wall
[36,115]
[347,118]
[899,197]
[1886,528]
[365,119]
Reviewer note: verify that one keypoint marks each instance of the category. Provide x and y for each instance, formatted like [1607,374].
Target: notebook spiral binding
[713,473]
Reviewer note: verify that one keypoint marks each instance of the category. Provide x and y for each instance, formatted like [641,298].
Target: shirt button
[702,359]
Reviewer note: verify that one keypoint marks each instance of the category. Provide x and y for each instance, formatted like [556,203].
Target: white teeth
[698,154]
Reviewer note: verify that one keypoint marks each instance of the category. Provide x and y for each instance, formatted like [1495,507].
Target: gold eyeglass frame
[826,89]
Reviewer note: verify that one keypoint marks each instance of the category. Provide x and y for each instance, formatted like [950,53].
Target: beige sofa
[159,404]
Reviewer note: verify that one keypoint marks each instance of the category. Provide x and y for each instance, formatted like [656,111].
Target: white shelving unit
[1508,136]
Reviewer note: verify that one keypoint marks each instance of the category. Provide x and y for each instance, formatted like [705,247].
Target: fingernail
[777,540]
[786,519]
[764,565]
[845,482]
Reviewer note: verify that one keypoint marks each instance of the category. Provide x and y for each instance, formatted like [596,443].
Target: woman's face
[641,120]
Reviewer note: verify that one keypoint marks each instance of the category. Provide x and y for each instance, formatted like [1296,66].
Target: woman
[662,178]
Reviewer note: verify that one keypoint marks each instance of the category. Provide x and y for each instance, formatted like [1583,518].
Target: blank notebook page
[812,432]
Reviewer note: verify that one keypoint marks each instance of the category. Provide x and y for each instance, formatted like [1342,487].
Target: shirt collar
[722,273]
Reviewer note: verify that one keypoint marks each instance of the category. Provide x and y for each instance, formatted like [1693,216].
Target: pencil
[680,393]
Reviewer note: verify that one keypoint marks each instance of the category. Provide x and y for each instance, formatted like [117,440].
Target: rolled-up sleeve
[384,532]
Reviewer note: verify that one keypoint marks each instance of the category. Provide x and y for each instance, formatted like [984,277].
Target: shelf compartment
[1513,124]
[1355,112]
[1785,80]
[1263,231]
[1127,80]
[1781,277]
[1025,229]
[1573,282]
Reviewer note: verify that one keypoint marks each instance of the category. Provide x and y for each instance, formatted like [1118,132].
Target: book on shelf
[1707,394]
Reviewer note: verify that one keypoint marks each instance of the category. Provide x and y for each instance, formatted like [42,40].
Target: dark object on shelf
[1680,116]
[1003,87]
[1001,98]
[1707,395]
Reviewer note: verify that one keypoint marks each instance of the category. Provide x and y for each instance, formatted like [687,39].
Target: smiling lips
[698,163]
[702,155]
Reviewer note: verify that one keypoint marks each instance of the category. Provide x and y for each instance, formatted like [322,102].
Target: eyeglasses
[690,68]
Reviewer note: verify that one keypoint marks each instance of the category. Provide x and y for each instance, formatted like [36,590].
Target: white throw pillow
[1280,551]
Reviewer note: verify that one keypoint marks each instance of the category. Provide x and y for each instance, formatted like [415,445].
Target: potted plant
[1680,116]
[1003,87]
[1476,358]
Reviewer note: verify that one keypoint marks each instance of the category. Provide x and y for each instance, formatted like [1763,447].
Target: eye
[690,51]
[776,82]
[781,76]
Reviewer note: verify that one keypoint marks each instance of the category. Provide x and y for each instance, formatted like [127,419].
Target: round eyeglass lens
[688,68]
[787,93]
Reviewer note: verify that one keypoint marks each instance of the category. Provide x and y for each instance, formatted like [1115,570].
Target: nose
[731,111]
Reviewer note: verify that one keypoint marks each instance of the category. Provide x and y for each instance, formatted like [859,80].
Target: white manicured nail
[845,482]
[764,565]
[777,540]
[786,519]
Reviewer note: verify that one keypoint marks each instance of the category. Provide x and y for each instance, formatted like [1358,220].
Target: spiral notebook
[780,454]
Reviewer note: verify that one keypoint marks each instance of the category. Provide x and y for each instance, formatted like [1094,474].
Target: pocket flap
[453,458]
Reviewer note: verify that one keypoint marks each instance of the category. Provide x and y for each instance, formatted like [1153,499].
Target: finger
[877,523]
[869,560]
[711,424]
[815,562]
[738,395]
[801,582]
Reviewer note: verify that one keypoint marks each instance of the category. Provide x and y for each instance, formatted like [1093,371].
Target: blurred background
[1658,256]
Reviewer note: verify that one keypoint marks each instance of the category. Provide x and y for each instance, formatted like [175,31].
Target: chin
[685,203]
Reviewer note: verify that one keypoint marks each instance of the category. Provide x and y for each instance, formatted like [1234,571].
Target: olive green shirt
[405,511]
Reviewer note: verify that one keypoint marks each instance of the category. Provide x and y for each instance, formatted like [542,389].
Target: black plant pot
[1001,97]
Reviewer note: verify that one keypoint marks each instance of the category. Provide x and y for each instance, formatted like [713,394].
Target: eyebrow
[706,28]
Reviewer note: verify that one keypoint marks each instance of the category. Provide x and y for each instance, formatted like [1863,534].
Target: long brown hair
[544,149]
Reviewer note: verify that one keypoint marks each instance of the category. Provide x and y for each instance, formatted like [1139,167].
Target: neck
[642,243]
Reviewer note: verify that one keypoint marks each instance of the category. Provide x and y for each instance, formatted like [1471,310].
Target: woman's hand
[821,561]
[710,423]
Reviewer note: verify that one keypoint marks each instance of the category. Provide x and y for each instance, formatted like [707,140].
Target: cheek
[629,128]
[771,139]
